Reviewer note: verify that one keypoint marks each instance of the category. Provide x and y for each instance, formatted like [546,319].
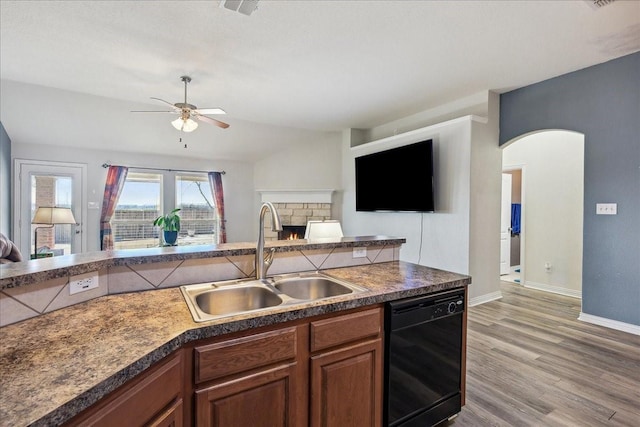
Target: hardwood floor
[530,362]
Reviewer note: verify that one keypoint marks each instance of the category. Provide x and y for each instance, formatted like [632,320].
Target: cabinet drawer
[242,354]
[343,329]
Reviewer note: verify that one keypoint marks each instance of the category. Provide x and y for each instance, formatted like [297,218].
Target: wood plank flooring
[530,362]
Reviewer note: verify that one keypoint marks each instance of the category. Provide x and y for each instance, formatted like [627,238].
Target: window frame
[203,177]
[169,197]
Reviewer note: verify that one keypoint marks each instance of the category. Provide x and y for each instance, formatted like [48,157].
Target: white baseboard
[553,289]
[608,323]
[485,298]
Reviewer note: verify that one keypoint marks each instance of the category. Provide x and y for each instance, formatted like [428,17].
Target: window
[145,196]
[197,215]
[139,204]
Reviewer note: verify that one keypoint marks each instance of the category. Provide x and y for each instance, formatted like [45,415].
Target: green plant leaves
[169,222]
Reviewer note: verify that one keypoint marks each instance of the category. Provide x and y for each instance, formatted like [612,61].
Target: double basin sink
[210,301]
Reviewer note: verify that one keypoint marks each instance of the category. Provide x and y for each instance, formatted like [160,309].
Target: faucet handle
[268,256]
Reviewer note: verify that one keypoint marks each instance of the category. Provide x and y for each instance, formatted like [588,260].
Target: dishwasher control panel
[425,308]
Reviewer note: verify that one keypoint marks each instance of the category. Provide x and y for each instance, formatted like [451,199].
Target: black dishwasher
[423,357]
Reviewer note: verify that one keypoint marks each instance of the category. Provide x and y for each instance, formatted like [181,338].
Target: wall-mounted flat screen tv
[398,179]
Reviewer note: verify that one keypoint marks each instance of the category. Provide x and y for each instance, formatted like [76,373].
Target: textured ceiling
[311,65]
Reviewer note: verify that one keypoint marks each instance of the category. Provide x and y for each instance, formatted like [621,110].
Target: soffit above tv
[297,196]
[411,136]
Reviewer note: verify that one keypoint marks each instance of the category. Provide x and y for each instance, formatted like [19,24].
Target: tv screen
[399,179]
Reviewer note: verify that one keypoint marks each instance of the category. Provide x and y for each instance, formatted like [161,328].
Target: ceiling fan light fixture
[185,125]
[246,7]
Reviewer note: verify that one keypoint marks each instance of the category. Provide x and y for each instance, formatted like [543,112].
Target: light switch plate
[606,208]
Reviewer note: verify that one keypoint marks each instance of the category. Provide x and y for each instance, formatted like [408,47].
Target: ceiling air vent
[246,7]
[597,4]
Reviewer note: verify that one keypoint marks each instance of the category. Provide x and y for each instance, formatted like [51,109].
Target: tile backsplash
[24,302]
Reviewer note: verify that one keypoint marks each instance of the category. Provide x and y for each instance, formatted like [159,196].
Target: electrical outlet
[360,252]
[547,266]
[606,208]
[83,282]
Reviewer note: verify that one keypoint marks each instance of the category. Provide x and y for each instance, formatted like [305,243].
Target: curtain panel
[215,180]
[116,177]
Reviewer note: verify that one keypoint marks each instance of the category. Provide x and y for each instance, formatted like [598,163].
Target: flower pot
[170,237]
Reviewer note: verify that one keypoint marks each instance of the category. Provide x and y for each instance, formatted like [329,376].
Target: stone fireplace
[295,208]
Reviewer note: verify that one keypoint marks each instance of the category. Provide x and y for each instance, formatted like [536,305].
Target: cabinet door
[346,386]
[263,399]
[141,402]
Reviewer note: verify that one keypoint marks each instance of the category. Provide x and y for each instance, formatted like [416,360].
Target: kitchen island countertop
[56,365]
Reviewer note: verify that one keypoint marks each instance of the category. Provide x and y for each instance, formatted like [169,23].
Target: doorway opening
[511,225]
[48,184]
[550,165]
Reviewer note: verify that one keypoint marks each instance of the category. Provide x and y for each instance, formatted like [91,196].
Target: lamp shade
[53,215]
[185,125]
[327,229]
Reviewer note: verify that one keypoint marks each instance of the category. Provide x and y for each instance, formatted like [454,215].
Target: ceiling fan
[188,112]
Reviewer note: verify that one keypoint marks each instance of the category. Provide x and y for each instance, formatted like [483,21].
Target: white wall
[486,183]
[553,192]
[463,234]
[237,182]
[71,119]
[439,239]
[311,166]
[475,104]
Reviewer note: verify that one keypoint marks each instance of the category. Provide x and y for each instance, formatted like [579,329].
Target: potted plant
[170,225]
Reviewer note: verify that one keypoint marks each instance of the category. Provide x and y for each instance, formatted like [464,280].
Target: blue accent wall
[603,103]
[5,183]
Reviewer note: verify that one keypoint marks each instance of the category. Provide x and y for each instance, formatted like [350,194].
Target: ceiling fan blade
[215,122]
[145,111]
[166,102]
[210,111]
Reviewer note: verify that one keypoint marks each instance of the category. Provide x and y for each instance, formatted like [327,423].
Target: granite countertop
[34,271]
[55,365]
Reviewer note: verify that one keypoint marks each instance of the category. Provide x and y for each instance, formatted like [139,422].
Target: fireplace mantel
[296,196]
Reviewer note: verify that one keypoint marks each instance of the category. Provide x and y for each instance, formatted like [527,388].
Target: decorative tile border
[24,302]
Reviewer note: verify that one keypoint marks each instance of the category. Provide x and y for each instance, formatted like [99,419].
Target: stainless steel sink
[310,288]
[210,301]
[236,299]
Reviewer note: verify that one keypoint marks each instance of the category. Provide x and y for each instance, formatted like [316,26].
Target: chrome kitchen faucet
[264,262]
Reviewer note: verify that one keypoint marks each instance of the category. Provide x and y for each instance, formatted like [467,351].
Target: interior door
[505,225]
[49,184]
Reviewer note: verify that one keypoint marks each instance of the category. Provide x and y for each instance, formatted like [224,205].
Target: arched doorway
[550,165]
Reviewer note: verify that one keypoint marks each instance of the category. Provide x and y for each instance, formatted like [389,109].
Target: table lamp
[48,217]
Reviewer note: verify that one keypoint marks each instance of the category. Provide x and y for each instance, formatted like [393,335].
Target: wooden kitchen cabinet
[262,399]
[322,372]
[346,386]
[154,398]
[326,372]
[252,380]
[171,417]
[347,370]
